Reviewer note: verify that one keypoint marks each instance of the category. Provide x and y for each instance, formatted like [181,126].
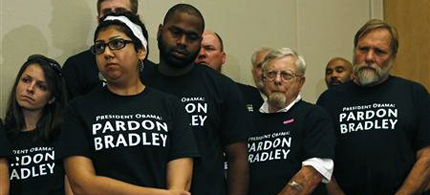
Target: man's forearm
[238,169]
[418,178]
[303,182]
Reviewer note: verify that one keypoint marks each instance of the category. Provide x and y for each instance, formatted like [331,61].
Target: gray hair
[373,24]
[254,55]
[283,52]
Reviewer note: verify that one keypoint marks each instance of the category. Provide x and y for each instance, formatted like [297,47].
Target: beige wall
[317,29]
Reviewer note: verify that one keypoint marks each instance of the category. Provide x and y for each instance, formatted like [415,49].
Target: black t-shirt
[379,130]
[283,141]
[128,138]
[82,75]
[252,97]
[4,144]
[218,117]
[32,167]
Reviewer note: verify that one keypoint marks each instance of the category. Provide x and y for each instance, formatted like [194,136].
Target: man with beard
[213,102]
[292,150]
[381,121]
[337,71]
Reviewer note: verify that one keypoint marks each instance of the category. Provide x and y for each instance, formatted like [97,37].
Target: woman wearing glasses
[32,125]
[126,138]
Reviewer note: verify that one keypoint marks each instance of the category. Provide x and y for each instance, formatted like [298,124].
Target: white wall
[317,29]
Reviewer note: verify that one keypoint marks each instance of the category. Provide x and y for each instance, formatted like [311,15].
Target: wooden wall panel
[411,18]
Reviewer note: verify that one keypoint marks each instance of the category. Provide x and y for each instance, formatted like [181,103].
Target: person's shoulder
[81,56]
[156,96]
[407,82]
[305,106]
[311,109]
[207,71]
[159,94]
[247,87]
[336,92]
[92,96]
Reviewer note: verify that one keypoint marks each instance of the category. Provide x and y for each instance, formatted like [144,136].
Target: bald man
[212,51]
[337,71]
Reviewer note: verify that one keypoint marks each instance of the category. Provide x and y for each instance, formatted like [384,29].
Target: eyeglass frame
[280,72]
[125,42]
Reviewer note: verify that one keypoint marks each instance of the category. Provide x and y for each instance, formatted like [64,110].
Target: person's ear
[224,56]
[160,28]
[141,54]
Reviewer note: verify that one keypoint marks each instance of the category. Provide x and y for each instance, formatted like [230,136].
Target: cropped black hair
[184,8]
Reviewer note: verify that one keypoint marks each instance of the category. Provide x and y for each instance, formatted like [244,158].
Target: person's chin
[334,83]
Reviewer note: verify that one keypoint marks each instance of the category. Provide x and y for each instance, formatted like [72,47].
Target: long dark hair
[49,122]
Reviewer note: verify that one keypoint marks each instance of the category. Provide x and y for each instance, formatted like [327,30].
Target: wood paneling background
[411,18]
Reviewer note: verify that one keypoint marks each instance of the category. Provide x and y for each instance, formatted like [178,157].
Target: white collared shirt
[323,165]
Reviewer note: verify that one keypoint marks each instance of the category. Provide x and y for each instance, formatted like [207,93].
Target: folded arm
[83,180]
[303,182]
[238,168]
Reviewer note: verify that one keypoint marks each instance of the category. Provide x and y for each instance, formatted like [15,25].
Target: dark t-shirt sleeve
[183,140]
[80,73]
[319,138]
[71,76]
[422,98]
[73,139]
[4,143]
[235,124]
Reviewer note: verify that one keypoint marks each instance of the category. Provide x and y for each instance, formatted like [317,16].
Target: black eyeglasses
[285,75]
[115,44]
[41,59]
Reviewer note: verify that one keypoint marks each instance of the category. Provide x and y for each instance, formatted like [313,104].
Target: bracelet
[296,186]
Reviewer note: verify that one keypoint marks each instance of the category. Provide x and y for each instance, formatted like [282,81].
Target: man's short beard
[277,99]
[370,74]
[165,53]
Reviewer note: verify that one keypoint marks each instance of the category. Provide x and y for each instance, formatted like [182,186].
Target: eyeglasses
[41,59]
[285,75]
[114,44]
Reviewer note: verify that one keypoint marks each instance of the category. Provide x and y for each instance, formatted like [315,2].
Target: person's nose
[202,53]
[370,56]
[182,40]
[108,53]
[278,78]
[31,86]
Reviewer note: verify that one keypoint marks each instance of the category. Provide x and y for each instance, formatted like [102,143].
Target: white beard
[277,99]
[370,74]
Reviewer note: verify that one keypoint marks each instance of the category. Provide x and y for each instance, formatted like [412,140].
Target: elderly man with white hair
[292,150]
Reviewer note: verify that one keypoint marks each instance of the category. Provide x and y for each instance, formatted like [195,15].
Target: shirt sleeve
[422,100]
[5,149]
[183,140]
[73,139]
[324,166]
[235,120]
[319,138]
